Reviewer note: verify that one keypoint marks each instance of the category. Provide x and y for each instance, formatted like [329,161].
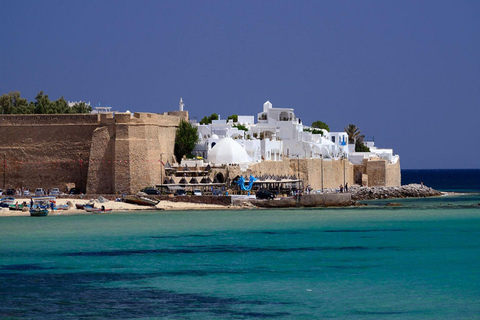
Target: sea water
[417,261]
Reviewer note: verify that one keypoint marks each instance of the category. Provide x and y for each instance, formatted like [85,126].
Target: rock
[412,190]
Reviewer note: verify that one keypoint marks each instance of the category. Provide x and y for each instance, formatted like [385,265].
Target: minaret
[266,106]
[181,105]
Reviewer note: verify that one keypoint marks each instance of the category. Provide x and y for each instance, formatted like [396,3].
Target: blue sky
[405,72]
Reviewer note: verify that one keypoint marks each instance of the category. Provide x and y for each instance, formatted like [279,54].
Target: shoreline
[116,206]
[357,193]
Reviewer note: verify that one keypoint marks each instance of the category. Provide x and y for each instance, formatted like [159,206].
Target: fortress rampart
[98,153]
[110,154]
[329,173]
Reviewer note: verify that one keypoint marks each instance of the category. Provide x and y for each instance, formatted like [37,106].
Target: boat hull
[97,211]
[39,213]
[143,201]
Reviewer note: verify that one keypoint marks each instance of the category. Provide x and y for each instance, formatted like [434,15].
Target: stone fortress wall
[375,172]
[112,154]
[98,153]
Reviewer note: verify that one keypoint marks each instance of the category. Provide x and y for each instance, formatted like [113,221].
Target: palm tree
[353,133]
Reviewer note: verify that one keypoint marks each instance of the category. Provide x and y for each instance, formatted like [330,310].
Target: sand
[115,206]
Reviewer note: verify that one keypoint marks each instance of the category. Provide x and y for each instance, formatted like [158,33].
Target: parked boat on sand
[7,202]
[143,201]
[101,210]
[38,212]
[39,206]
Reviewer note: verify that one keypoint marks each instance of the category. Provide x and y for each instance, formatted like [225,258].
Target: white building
[278,133]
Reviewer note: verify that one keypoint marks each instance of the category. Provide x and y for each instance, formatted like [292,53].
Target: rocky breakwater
[406,191]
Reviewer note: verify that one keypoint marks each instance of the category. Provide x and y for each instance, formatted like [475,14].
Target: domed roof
[227,151]
[214,136]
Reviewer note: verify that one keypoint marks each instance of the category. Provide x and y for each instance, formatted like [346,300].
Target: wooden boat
[143,201]
[101,210]
[88,208]
[40,206]
[64,207]
[16,207]
[38,212]
[7,202]
[81,206]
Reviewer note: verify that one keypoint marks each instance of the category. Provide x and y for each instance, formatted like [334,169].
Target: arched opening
[213,144]
[220,177]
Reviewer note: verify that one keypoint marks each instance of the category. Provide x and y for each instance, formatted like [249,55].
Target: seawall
[308,200]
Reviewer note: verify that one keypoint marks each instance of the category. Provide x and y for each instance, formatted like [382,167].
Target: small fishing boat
[100,210]
[143,201]
[7,202]
[88,208]
[81,206]
[17,207]
[64,207]
[38,212]
[40,205]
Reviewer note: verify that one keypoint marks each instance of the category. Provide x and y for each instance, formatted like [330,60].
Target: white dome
[214,136]
[227,151]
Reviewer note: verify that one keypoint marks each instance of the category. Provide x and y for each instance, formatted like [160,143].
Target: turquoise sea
[418,261]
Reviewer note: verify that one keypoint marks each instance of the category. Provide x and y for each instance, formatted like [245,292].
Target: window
[333,139]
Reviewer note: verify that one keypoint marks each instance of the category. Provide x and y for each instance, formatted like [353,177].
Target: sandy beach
[116,206]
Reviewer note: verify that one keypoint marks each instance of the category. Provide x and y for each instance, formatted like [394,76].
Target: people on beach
[341,189]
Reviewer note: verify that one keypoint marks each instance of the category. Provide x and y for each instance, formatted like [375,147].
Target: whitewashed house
[278,133]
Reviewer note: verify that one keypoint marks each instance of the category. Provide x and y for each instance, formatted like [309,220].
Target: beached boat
[38,212]
[64,207]
[40,205]
[101,210]
[7,202]
[143,201]
[88,208]
[17,207]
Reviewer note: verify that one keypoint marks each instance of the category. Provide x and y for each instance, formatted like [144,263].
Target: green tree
[320,125]
[12,103]
[234,117]
[314,131]
[185,140]
[240,127]
[59,106]
[43,104]
[81,107]
[208,120]
[353,133]
[360,146]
